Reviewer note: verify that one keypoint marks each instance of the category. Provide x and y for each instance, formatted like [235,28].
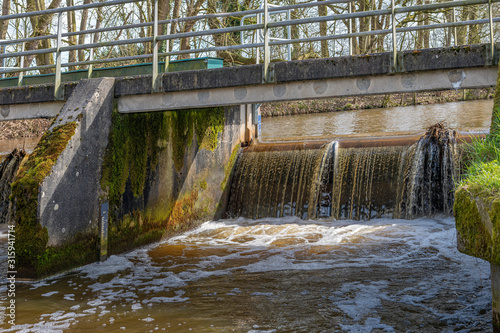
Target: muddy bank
[372,102]
[23,128]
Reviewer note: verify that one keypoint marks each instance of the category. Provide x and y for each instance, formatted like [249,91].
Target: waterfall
[8,170]
[282,181]
[328,181]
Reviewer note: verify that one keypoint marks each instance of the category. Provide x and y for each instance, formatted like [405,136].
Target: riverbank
[373,102]
[17,129]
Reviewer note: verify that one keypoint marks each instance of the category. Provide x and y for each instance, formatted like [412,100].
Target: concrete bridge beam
[464,78]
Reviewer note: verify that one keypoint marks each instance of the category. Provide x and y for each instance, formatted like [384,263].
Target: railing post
[21,66]
[455,27]
[156,83]
[492,41]
[91,66]
[350,29]
[265,74]
[289,32]
[4,51]
[257,40]
[58,93]
[394,45]
[167,48]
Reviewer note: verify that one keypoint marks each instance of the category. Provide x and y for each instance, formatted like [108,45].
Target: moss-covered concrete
[478,224]
[477,204]
[163,172]
[32,255]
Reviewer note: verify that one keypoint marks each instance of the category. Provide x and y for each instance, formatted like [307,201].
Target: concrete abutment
[161,173]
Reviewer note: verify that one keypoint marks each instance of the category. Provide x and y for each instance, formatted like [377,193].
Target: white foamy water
[273,275]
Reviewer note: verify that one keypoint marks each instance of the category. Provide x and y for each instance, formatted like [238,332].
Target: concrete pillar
[249,127]
[495,293]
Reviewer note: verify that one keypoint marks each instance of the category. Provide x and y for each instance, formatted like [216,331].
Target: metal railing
[262,27]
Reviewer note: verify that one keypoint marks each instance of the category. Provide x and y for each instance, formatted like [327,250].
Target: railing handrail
[264,26]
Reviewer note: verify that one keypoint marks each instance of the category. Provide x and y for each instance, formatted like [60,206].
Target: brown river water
[281,274]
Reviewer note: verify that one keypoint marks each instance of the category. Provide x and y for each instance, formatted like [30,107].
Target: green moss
[83,250]
[135,144]
[31,238]
[207,124]
[479,230]
[228,168]
[137,139]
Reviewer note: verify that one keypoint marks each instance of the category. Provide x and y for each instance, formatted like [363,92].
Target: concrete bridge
[464,67]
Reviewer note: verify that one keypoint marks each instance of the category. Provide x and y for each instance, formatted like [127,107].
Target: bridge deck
[421,70]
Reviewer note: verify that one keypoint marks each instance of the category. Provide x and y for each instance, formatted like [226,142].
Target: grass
[482,168]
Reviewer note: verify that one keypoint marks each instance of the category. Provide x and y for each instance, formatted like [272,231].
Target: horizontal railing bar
[441,5]
[69,9]
[101,61]
[79,47]
[211,32]
[331,18]
[27,69]
[212,49]
[447,25]
[331,37]
[27,53]
[110,43]
[183,19]
[274,24]
[382,32]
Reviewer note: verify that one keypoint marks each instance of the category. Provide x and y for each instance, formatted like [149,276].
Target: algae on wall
[477,202]
[33,258]
[131,172]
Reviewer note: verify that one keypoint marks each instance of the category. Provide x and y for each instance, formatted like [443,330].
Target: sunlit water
[282,275]
[464,116]
[273,275]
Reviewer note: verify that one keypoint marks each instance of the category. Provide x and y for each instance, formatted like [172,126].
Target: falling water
[281,181]
[348,183]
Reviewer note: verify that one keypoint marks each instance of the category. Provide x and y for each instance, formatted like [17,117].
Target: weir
[349,179]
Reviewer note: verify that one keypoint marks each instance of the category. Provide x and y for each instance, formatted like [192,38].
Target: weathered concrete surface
[185,176]
[495,291]
[30,110]
[161,173]
[33,94]
[69,196]
[451,62]
[312,89]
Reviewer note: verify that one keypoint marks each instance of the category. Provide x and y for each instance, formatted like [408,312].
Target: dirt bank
[23,128]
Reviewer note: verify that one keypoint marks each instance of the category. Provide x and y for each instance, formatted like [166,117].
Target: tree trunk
[83,27]
[5,23]
[71,39]
[322,11]
[175,15]
[40,26]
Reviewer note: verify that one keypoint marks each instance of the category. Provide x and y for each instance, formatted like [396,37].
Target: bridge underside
[312,89]
[423,70]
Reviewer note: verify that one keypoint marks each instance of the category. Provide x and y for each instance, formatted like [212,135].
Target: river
[278,275]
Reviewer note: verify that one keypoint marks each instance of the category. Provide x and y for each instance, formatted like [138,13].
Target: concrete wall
[161,173]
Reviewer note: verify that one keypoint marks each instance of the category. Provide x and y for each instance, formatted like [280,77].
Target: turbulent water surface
[273,275]
[285,274]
